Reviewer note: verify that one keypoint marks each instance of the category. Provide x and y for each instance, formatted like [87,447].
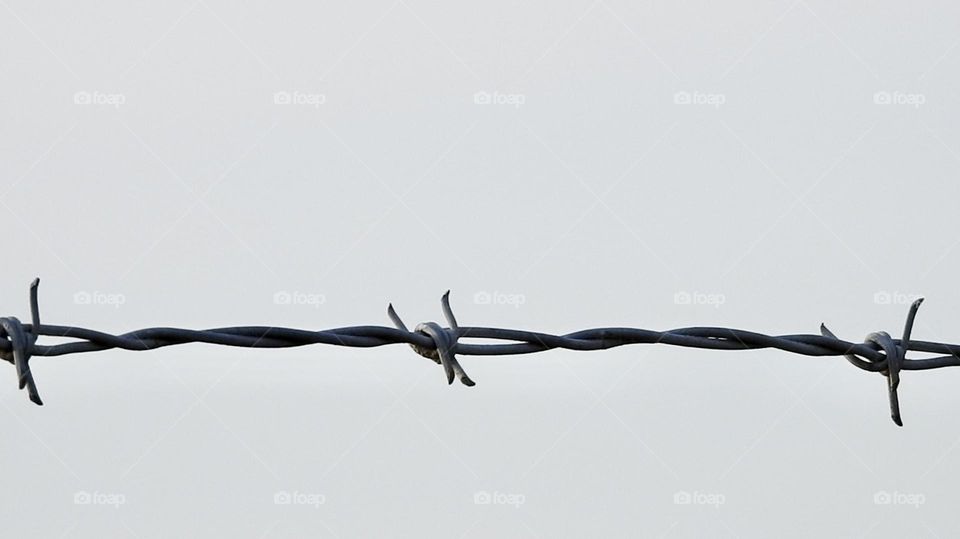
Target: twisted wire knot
[444,341]
[894,357]
[21,343]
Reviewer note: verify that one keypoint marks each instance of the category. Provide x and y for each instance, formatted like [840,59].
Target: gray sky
[558,166]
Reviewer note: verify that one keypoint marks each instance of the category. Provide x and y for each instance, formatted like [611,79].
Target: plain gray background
[204,163]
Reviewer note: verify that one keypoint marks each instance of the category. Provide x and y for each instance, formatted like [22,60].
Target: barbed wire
[878,353]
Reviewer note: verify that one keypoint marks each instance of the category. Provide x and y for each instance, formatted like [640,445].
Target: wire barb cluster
[878,353]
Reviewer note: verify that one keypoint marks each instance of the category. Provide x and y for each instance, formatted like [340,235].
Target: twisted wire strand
[878,353]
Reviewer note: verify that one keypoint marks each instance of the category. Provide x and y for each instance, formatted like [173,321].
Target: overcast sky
[558,166]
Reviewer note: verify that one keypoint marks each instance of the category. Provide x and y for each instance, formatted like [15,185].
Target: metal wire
[878,353]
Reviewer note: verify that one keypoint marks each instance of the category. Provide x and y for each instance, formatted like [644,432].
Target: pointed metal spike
[448,312]
[35,305]
[396,318]
[893,382]
[908,326]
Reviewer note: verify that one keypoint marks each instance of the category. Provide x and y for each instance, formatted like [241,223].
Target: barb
[879,352]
